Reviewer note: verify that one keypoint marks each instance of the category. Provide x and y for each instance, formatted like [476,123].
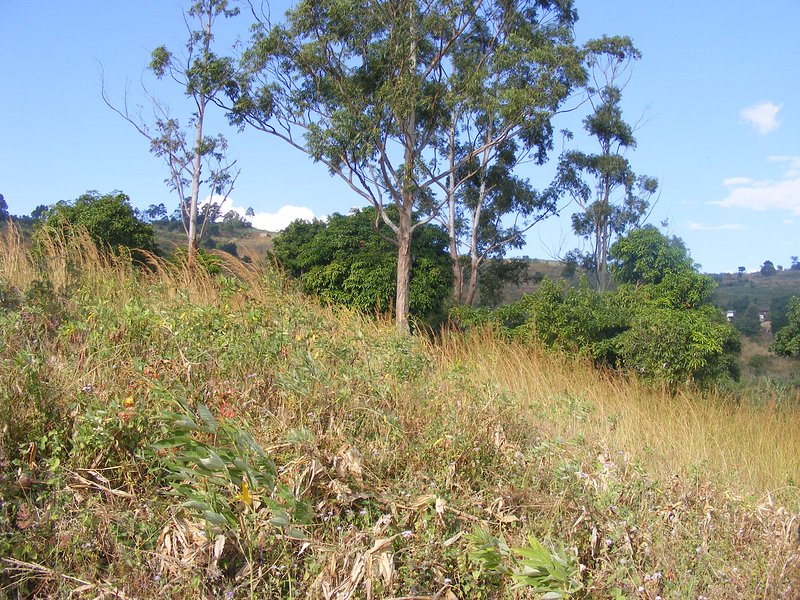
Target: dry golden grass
[399,446]
[752,445]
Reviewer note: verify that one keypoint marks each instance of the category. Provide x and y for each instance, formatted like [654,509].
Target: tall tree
[611,197]
[366,89]
[502,71]
[194,159]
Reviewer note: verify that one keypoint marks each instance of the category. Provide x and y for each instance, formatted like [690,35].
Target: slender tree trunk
[477,214]
[403,272]
[458,272]
[408,196]
[197,168]
[472,287]
[603,238]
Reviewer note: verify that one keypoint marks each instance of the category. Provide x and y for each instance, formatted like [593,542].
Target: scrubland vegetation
[171,434]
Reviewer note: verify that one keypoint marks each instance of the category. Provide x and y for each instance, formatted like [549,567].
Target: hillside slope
[171,435]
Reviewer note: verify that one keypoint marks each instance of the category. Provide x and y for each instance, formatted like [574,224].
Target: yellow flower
[245,495]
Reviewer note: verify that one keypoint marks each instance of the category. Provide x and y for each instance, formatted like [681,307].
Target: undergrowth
[167,433]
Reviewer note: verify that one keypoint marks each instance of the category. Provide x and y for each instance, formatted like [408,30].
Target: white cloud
[783,194]
[794,164]
[726,227]
[734,181]
[762,116]
[788,222]
[765,195]
[280,219]
[276,221]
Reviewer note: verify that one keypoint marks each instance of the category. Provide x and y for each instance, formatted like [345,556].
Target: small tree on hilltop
[768,269]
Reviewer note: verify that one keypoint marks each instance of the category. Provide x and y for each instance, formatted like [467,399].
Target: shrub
[109,219]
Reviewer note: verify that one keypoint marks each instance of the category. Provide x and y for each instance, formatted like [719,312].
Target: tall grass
[399,448]
[750,445]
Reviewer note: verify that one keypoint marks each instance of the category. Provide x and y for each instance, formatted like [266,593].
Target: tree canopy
[369,90]
[343,261]
[646,255]
[108,218]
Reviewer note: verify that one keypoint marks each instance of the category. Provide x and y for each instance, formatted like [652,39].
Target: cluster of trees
[425,110]
[658,322]
[109,219]
[769,268]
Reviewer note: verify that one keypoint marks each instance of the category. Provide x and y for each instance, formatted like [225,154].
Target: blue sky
[716,98]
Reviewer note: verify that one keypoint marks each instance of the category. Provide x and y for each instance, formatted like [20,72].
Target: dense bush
[345,261]
[109,219]
[787,340]
[658,323]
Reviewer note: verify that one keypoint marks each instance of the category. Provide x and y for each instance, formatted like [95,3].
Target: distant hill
[245,241]
[733,289]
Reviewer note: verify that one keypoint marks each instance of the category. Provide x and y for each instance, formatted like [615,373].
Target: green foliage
[658,323]
[768,269]
[747,321]
[681,290]
[3,208]
[675,347]
[222,474]
[787,340]
[345,262]
[109,219]
[555,574]
[576,319]
[646,255]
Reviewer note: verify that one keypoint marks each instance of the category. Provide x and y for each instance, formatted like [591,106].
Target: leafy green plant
[787,341]
[108,218]
[222,474]
[553,573]
[342,261]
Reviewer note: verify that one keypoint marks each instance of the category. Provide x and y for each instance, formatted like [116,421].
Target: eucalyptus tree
[195,160]
[367,88]
[512,74]
[489,211]
[611,197]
